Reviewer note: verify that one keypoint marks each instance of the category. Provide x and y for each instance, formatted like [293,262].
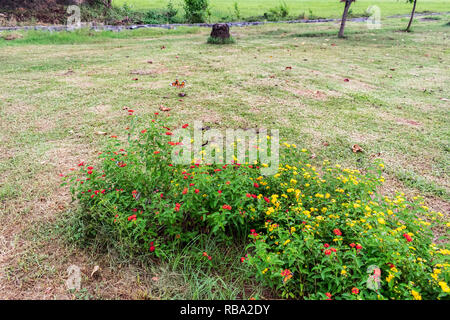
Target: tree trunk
[344,18]
[220,30]
[412,16]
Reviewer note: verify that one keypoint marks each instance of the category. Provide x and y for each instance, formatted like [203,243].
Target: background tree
[412,14]
[344,17]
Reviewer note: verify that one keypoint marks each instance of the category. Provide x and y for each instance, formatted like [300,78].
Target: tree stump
[220,31]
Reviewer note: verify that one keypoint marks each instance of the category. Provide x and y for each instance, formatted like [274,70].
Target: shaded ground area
[383,90]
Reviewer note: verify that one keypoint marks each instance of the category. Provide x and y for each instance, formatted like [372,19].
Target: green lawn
[322,8]
[59,89]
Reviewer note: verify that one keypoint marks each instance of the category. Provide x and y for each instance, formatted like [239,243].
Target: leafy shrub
[277,13]
[171,12]
[114,15]
[161,16]
[237,12]
[154,17]
[138,198]
[126,14]
[313,234]
[196,10]
[283,9]
[325,234]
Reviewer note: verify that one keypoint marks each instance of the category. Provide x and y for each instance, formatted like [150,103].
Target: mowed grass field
[58,90]
[321,8]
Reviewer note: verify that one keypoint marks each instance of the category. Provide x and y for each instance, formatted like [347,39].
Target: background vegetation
[224,10]
[181,11]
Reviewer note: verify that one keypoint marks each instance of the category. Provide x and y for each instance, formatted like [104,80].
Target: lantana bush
[312,233]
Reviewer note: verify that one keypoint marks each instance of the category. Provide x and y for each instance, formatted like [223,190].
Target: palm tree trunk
[344,18]
[412,16]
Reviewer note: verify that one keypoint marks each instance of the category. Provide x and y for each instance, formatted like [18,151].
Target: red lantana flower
[337,232]
[407,237]
[226,207]
[391,265]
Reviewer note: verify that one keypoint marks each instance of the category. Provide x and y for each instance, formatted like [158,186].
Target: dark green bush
[196,11]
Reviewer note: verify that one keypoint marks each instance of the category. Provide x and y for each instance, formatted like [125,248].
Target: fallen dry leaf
[96,268]
[162,108]
[357,148]
[375,155]
[100,133]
